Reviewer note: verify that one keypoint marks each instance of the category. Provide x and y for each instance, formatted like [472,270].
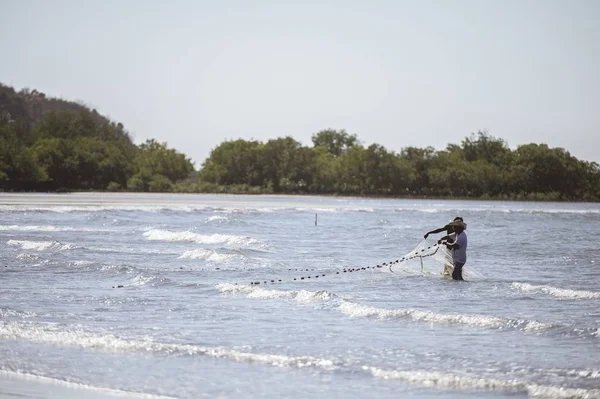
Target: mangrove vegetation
[49,144]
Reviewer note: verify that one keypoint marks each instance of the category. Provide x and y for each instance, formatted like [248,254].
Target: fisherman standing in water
[457,242]
[449,229]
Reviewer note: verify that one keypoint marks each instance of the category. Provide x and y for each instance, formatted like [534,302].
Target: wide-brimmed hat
[459,224]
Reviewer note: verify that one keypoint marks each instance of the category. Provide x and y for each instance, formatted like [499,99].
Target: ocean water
[204,296]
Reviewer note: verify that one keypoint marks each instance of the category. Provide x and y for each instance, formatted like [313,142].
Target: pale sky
[396,73]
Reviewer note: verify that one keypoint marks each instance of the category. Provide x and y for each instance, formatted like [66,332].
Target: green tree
[235,162]
[334,141]
[156,159]
[18,167]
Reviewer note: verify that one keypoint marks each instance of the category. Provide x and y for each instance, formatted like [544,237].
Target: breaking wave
[47,228]
[52,334]
[42,245]
[147,279]
[212,256]
[61,335]
[28,257]
[438,379]
[7,312]
[562,293]
[258,292]
[357,310]
[94,203]
[218,219]
[189,236]
[353,309]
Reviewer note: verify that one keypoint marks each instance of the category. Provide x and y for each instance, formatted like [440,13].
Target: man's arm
[435,231]
[452,246]
[447,239]
[453,243]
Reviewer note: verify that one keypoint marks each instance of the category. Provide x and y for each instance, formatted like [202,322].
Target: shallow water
[188,321]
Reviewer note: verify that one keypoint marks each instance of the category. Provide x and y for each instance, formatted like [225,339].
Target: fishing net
[428,258]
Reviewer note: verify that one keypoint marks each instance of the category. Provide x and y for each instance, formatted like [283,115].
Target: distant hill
[30,106]
[51,144]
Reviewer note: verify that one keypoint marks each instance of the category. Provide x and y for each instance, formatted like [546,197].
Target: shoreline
[16,385]
[287,195]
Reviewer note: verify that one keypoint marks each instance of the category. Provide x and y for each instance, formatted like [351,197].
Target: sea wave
[74,336]
[98,208]
[147,279]
[79,386]
[56,335]
[8,312]
[82,263]
[439,379]
[259,292]
[354,309]
[212,256]
[42,245]
[357,310]
[218,219]
[49,228]
[189,236]
[562,293]
[292,207]
[499,209]
[28,257]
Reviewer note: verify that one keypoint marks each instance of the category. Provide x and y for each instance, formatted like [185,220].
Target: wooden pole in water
[315,219]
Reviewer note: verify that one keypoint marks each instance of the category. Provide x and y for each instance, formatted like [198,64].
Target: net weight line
[390,265]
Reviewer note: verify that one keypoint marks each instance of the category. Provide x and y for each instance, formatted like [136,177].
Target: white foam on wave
[79,386]
[189,236]
[591,373]
[353,309]
[199,253]
[99,208]
[27,228]
[357,310]
[218,219]
[252,291]
[562,293]
[49,228]
[211,256]
[53,334]
[28,257]
[7,312]
[146,279]
[83,263]
[42,245]
[499,209]
[438,379]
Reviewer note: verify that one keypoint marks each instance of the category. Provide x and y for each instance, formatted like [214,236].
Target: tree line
[481,166]
[49,144]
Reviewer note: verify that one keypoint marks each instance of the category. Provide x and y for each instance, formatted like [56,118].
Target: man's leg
[457,272]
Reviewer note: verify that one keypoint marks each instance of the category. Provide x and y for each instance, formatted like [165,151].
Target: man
[449,229]
[457,242]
